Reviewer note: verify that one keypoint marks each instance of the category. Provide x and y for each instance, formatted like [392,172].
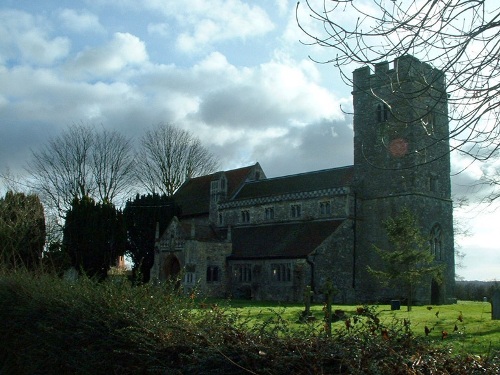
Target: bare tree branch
[459,37]
[168,156]
[112,165]
[82,162]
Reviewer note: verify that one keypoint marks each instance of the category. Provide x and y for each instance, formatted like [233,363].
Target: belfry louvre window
[242,273]
[382,112]
[281,272]
[296,210]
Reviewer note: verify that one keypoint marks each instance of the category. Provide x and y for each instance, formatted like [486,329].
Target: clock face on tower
[392,140]
[398,147]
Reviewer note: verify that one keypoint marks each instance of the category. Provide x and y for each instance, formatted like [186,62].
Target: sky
[232,72]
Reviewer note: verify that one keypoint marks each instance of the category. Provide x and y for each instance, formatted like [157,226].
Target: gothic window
[221,219]
[382,112]
[296,210]
[213,274]
[281,272]
[269,212]
[325,208]
[435,240]
[433,183]
[242,273]
[245,216]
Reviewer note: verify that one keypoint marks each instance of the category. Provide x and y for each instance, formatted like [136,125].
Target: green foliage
[22,230]
[93,236]
[409,262]
[112,327]
[141,216]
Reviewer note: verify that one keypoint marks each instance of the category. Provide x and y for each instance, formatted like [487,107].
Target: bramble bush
[51,326]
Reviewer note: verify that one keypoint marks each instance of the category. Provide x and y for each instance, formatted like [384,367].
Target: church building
[243,235]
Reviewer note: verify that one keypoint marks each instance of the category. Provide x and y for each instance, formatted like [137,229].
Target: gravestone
[329,291]
[306,314]
[495,305]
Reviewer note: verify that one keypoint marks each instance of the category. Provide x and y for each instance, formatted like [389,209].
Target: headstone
[395,304]
[329,291]
[495,305]
[306,314]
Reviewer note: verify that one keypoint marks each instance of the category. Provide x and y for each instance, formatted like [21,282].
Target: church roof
[303,182]
[193,197]
[287,240]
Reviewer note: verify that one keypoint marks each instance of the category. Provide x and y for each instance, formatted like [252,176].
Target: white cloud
[26,39]
[123,50]
[161,29]
[80,21]
[203,23]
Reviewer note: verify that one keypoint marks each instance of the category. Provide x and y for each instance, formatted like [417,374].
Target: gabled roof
[287,240]
[193,197]
[310,181]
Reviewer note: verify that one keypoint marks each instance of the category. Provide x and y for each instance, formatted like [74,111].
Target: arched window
[435,240]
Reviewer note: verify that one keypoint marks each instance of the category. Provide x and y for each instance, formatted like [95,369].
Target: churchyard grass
[52,326]
[467,326]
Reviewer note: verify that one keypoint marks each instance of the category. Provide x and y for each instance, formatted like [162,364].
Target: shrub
[54,327]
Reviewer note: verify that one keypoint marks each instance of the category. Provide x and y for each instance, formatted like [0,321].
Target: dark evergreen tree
[141,216]
[94,236]
[22,230]
[409,261]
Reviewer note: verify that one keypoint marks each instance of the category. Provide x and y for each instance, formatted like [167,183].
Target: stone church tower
[401,159]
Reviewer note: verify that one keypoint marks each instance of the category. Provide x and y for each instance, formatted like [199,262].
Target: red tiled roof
[193,197]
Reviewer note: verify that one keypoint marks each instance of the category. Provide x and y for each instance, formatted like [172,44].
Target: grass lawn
[468,325]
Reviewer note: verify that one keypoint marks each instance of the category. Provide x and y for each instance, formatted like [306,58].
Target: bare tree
[168,156]
[112,165]
[459,37]
[61,168]
[81,162]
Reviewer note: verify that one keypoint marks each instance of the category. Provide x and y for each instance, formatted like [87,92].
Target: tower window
[382,112]
[433,184]
[435,240]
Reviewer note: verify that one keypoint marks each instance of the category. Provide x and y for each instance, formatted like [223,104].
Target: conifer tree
[94,236]
[141,217]
[409,262]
